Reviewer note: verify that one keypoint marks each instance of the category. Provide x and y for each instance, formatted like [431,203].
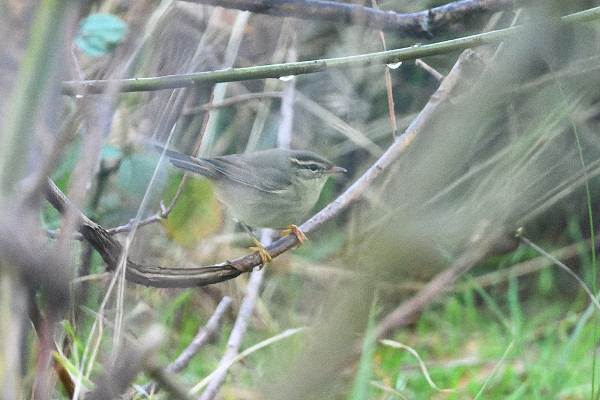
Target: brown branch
[108,247]
[110,251]
[413,25]
[388,84]
[181,277]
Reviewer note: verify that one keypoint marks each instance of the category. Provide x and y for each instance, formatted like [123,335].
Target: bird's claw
[265,257]
[296,231]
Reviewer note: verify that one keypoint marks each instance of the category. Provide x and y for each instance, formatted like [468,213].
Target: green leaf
[99,34]
[111,153]
[197,213]
[135,173]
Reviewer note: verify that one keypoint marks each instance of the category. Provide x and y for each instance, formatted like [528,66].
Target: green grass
[458,331]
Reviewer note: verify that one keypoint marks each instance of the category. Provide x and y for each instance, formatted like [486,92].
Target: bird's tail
[186,162]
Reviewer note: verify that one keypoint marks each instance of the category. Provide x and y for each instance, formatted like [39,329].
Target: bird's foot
[296,231]
[265,257]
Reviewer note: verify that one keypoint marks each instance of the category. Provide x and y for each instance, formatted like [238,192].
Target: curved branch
[110,250]
[413,25]
[164,277]
[108,247]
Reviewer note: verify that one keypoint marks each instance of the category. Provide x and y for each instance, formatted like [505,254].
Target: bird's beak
[337,170]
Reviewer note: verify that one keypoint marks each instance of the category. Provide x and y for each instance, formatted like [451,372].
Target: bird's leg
[265,257]
[296,231]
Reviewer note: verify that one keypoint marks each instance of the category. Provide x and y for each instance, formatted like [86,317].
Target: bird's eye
[313,167]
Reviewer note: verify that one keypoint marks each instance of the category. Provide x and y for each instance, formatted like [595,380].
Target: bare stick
[204,334]
[239,328]
[388,84]
[162,214]
[202,337]
[108,247]
[432,71]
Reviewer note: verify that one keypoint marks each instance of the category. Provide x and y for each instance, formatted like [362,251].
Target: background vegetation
[429,277]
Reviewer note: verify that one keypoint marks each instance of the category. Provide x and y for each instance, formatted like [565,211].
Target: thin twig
[74,88]
[202,337]
[239,328]
[162,214]
[432,71]
[390,95]
[55,194]
[388,84]
[242,98]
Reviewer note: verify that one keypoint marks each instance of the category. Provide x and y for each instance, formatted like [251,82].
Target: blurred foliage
[99,34]
[503,153]
[196,214]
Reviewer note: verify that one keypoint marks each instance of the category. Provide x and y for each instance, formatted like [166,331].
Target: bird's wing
[233,168]
[237,171]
